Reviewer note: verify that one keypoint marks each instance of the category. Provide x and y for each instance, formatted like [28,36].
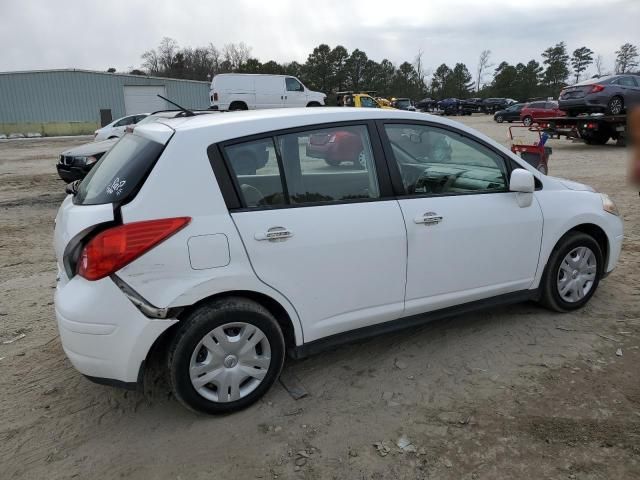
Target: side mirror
[523,183]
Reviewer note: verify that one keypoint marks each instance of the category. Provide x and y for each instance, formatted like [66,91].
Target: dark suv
[611,95]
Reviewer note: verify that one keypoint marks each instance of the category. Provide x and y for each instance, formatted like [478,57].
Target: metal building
[74,102]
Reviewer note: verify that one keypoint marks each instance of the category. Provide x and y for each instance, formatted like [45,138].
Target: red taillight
[597,88]
[215,96]
[116,247]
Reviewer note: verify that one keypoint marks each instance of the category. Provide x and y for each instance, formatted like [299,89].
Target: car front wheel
[573,272]
[527,121]
[615,106]
[225,355]
[499,119]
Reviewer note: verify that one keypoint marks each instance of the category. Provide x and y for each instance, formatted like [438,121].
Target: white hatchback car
[218,237]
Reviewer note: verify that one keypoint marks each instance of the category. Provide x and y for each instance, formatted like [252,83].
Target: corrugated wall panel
[78,96]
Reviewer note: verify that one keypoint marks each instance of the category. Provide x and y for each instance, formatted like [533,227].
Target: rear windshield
[119,173]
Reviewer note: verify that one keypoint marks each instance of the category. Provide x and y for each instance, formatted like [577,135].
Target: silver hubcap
[577,274]
[230,362]
[616,106]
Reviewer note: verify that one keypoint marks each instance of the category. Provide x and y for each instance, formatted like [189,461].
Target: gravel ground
[516,392]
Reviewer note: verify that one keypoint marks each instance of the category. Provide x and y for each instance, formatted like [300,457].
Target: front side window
[315,166]
[368,102]
[293,85]
[433,161]
[125,121]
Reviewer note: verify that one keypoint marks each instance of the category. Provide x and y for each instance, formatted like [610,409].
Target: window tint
[255,166]
[293,85]
[119,172]
[537,105]
[125,121]
[434,161]
[368,102]
[551,105]
[329,165]
[326,165]
[627,81]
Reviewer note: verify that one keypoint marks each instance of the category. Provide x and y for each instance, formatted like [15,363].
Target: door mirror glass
[522,181]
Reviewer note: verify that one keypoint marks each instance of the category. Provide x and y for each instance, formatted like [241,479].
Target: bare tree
[598,62]
[235,55]
[421,74]
[484,63]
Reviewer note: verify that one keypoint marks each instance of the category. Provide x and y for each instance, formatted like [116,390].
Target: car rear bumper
[102,333]
[587,103]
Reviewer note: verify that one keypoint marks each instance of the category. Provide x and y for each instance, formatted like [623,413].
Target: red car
[335,147]
[542,109]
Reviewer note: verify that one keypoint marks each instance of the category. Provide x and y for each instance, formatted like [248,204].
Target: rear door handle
[429,218]
[274,234]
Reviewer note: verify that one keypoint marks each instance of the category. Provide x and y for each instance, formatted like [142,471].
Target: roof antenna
[187,113]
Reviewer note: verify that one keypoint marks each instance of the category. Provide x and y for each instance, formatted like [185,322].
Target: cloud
[41,34]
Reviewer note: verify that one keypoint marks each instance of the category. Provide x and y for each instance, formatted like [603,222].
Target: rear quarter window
[119,174]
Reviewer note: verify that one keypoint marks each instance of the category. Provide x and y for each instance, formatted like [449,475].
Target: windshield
[403,103]
[119,173]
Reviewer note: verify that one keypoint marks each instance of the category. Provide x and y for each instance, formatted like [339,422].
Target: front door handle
[429,218]
[274,234]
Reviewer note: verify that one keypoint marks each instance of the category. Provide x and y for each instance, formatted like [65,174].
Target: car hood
[571,185]
[90,148]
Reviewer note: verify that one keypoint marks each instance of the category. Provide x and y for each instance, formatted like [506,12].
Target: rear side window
[120,172]
[310,167]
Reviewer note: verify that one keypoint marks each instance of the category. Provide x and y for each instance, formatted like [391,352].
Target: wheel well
[313,104]
[237,103]
[157,352]
[598,234]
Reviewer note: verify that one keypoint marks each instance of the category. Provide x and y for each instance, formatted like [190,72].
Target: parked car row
[528,113]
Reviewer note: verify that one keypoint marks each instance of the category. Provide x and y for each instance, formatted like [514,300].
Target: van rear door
[270,91]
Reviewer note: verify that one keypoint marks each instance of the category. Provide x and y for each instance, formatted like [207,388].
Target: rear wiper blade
[72,188]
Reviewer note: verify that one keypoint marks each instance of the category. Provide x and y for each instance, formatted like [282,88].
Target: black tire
[615,105]
[550,296]
[313,104]
[499,119]
[238,106]
[527,121]
[202,321]
[599,138]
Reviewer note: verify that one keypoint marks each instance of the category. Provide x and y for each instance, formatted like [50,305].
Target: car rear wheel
[225,356]
[499,119]
[527,121]
[573,272]
[615,106]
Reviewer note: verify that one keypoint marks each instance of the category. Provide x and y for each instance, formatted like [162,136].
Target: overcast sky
[43,34]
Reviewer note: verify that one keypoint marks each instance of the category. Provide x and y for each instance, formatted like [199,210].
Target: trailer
[595,129]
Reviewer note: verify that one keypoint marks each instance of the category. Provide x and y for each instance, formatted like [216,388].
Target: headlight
[609,205]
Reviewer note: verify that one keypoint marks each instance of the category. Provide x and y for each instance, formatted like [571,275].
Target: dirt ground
[514,393]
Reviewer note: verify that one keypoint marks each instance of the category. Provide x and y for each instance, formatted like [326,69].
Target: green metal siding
[65,96]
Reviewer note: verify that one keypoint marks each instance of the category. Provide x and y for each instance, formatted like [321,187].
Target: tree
[557,71]
[319,69]
[581,59]
[626,58]
[504,80]
[440,82]
[111,70]
[461,81]
[483,65]
[355,69]
[420,75]
[598,63]
[338,58]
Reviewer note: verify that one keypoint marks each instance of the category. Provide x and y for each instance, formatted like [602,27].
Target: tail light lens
[116,247]
[215,96]
[597,88]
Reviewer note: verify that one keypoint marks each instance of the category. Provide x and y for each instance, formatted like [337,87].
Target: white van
[242,91]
